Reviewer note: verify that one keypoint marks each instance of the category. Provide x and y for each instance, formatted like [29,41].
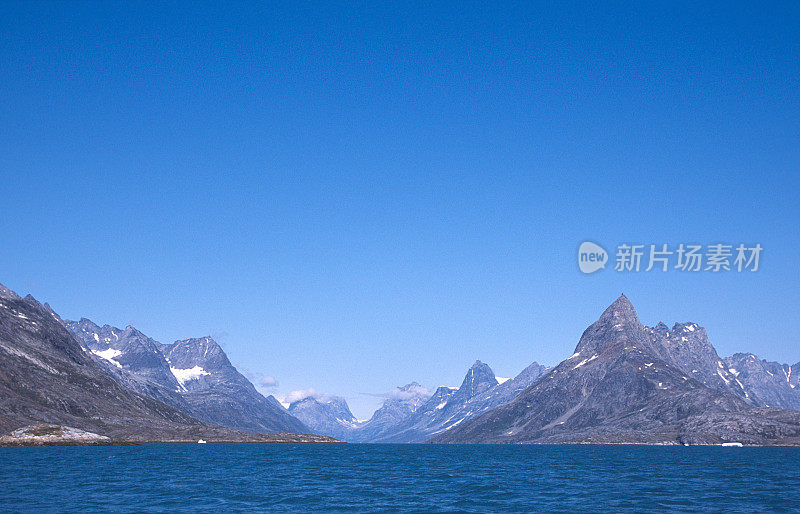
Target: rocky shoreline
[57,435]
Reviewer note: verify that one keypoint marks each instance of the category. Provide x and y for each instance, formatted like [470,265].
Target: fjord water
[426,478]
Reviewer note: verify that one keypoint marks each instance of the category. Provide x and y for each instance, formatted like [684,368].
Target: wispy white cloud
[301,394]
[408,393]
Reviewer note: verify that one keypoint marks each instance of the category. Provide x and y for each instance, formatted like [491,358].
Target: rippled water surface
[421,478]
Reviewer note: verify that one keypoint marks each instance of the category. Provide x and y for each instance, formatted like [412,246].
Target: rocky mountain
[411,414]
[759,383]
[399,404]
[218,393]
[767,383]
[627,383]
[686,346]
[328,415]
[132,359]
[506,390]
[193,375]
[47,378]
[447,408]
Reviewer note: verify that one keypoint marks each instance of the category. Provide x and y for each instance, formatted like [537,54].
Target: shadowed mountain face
[193,375]
[628,383]
[46,377]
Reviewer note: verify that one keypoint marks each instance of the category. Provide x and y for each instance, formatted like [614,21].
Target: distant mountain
[627,383]
[193,375]
[47,378]
[399,404]
[767,383]
[411,414]
[447,408]
[328,415]
[507,390]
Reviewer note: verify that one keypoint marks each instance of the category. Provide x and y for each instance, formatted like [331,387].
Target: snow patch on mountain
[185,375]
[109,355]
[585,361]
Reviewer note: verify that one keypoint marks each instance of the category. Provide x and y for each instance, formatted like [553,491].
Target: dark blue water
[422,478]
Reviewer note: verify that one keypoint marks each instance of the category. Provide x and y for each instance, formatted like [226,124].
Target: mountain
[448,407]
[627,383]
[132,359]
[412,414]
[328,415]
[759,383]
[507,390]
[193,375]
[768,383]
[686,346]
[399,404]
[218,393]
[47,378]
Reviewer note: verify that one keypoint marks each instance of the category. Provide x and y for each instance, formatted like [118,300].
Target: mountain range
[193,375]
[625,383]
[411,414]
[46,377]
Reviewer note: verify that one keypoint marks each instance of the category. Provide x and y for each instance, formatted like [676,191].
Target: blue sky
[352,196]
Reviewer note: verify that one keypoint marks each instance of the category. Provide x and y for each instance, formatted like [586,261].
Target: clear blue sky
[351,196]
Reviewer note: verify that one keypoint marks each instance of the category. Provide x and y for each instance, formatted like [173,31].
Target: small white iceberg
[732,444]
[203,441]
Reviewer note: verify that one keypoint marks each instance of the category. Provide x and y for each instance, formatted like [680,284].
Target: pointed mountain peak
[480,369]
[661,329]
[617,327]
[621,309]
[130,330]
[534,369]
[53,313]
[479,378]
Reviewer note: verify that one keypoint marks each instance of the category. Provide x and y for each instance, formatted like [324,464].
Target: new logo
[591,257]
